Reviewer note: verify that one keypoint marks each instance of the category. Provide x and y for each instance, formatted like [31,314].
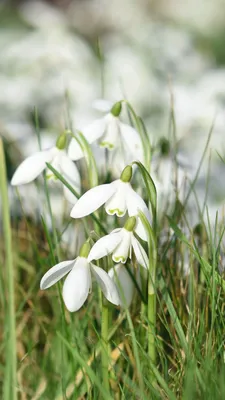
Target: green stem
[11,333]
[152,294]
[105,345]
[151,323]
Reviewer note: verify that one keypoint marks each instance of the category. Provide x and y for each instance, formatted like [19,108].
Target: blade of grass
[11,357]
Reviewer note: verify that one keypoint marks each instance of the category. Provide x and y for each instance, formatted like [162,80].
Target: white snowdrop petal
[117,202]
[95,130]
[92,200]
[140,253]
[75,152]
[135,204]
[77,285]
[57,272]
[105,245]
[70,197]
[132,141]
[31,167]
[110,139]
[70,171]
[106,284]
[122,251]
[124,283]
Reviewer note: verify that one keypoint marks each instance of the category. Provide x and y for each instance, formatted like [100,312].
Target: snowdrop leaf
[150,187]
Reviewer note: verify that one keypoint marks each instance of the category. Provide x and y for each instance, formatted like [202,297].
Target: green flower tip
[116,109]
[85,250]
[61,141]
[126,174]
[130,224]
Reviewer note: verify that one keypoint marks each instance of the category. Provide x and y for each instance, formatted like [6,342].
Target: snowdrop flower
[78,283]
[35,164]
[118,198]
[112,134]
[120,243]
[125,284]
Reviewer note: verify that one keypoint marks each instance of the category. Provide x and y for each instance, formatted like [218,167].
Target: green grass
[59,354]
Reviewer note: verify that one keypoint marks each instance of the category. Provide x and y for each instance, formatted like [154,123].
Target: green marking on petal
[119,259]
[116,211]
[51,176]
[108,145]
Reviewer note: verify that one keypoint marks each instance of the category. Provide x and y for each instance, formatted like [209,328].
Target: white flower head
[78,283]
[120,243]
[35,164]
[125,281]
[109,132]
[118,198]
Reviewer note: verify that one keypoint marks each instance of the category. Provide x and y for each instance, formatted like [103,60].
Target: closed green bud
[85,250]
[61,142]
[116,109]
[126,174]
[130,224]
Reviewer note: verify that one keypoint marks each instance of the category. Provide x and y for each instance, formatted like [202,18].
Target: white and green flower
[78,283]
[120,243]
[35,164]
[109,132]
[118,198]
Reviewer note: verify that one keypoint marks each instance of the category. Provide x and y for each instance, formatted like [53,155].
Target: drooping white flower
[78,283]
[109,132]
[35,164]
[120,243]
[118,197]
[125,283]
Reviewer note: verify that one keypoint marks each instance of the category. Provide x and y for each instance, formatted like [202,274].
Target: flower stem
[11,357]
[105,344]
[151,323]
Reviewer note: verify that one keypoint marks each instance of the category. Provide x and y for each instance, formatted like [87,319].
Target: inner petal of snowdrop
[123,250]
[117,203]
[111,136]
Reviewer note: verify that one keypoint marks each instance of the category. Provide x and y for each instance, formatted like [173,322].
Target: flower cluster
[118,197]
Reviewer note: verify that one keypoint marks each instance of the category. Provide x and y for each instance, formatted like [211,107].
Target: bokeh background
[57,55]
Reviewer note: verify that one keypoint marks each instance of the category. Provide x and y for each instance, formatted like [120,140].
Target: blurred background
[62,54]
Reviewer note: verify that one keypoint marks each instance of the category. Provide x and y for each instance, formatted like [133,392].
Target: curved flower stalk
[79,280]
[118,198]
[109,132]
[35,164]
[120,243]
